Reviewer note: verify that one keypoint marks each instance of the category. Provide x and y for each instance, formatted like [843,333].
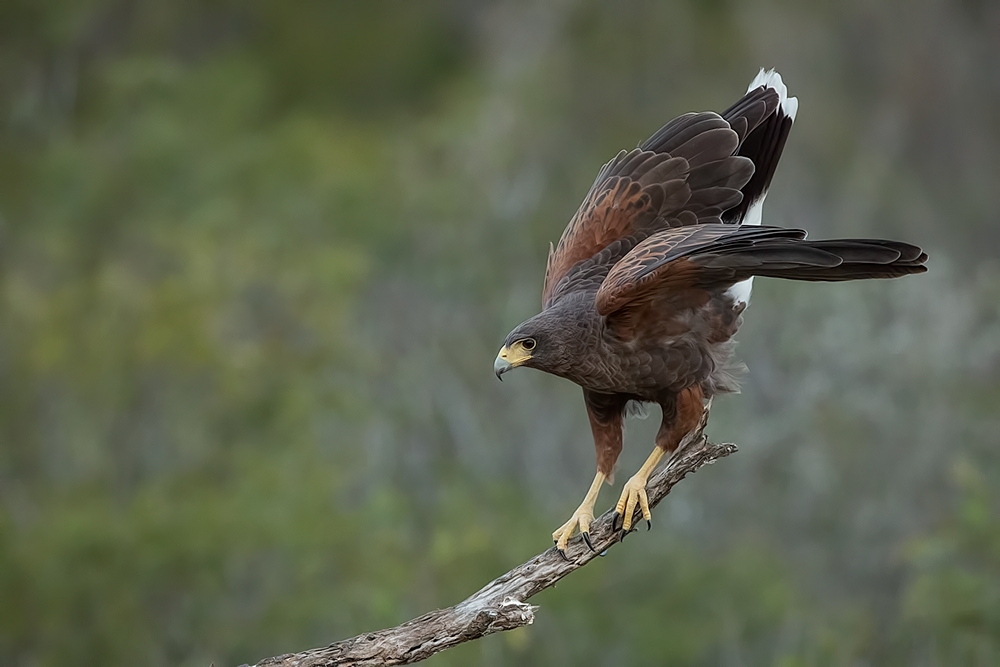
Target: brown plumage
[639,302]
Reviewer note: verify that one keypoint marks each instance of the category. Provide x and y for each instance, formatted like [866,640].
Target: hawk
[648,283]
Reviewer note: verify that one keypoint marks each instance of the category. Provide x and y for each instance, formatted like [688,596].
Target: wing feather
[720,255]
[649,188]
[689,172]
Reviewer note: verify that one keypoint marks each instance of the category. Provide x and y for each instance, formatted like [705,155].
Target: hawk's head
[543,342]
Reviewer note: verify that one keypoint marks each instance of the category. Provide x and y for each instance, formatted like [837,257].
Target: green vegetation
[255,262]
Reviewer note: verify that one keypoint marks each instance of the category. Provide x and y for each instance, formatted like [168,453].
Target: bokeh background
[256,260]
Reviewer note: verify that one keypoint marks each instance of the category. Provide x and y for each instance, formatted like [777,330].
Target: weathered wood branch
[500,605]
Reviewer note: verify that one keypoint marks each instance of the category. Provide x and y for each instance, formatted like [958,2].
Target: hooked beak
[508,359]
[501,365]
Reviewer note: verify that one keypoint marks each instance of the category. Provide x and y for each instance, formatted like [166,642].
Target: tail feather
[772,112]
[763,145]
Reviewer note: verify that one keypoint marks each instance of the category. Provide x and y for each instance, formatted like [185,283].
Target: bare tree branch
[500,605]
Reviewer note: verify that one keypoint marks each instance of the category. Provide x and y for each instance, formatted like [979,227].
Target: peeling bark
[500,605]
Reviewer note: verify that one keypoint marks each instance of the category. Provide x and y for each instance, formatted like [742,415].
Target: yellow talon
[582,517]
[634,492]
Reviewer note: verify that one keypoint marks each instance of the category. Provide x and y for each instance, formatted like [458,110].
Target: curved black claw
[563,554]
[621,534]
[649,525]
[616,521]
[586,538]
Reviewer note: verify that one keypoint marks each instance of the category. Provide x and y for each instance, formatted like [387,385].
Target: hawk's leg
[679,418]
[635,493]
[581,518]
[605,412]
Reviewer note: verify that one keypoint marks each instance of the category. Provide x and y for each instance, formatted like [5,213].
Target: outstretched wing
[672,262]
[687,173]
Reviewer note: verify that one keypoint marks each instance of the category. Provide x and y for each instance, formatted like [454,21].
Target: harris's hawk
[647,285]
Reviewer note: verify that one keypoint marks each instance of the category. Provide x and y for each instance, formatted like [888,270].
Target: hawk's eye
[528,344]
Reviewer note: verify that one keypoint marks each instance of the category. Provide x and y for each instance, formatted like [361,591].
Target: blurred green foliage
[254,262]
[955,594]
